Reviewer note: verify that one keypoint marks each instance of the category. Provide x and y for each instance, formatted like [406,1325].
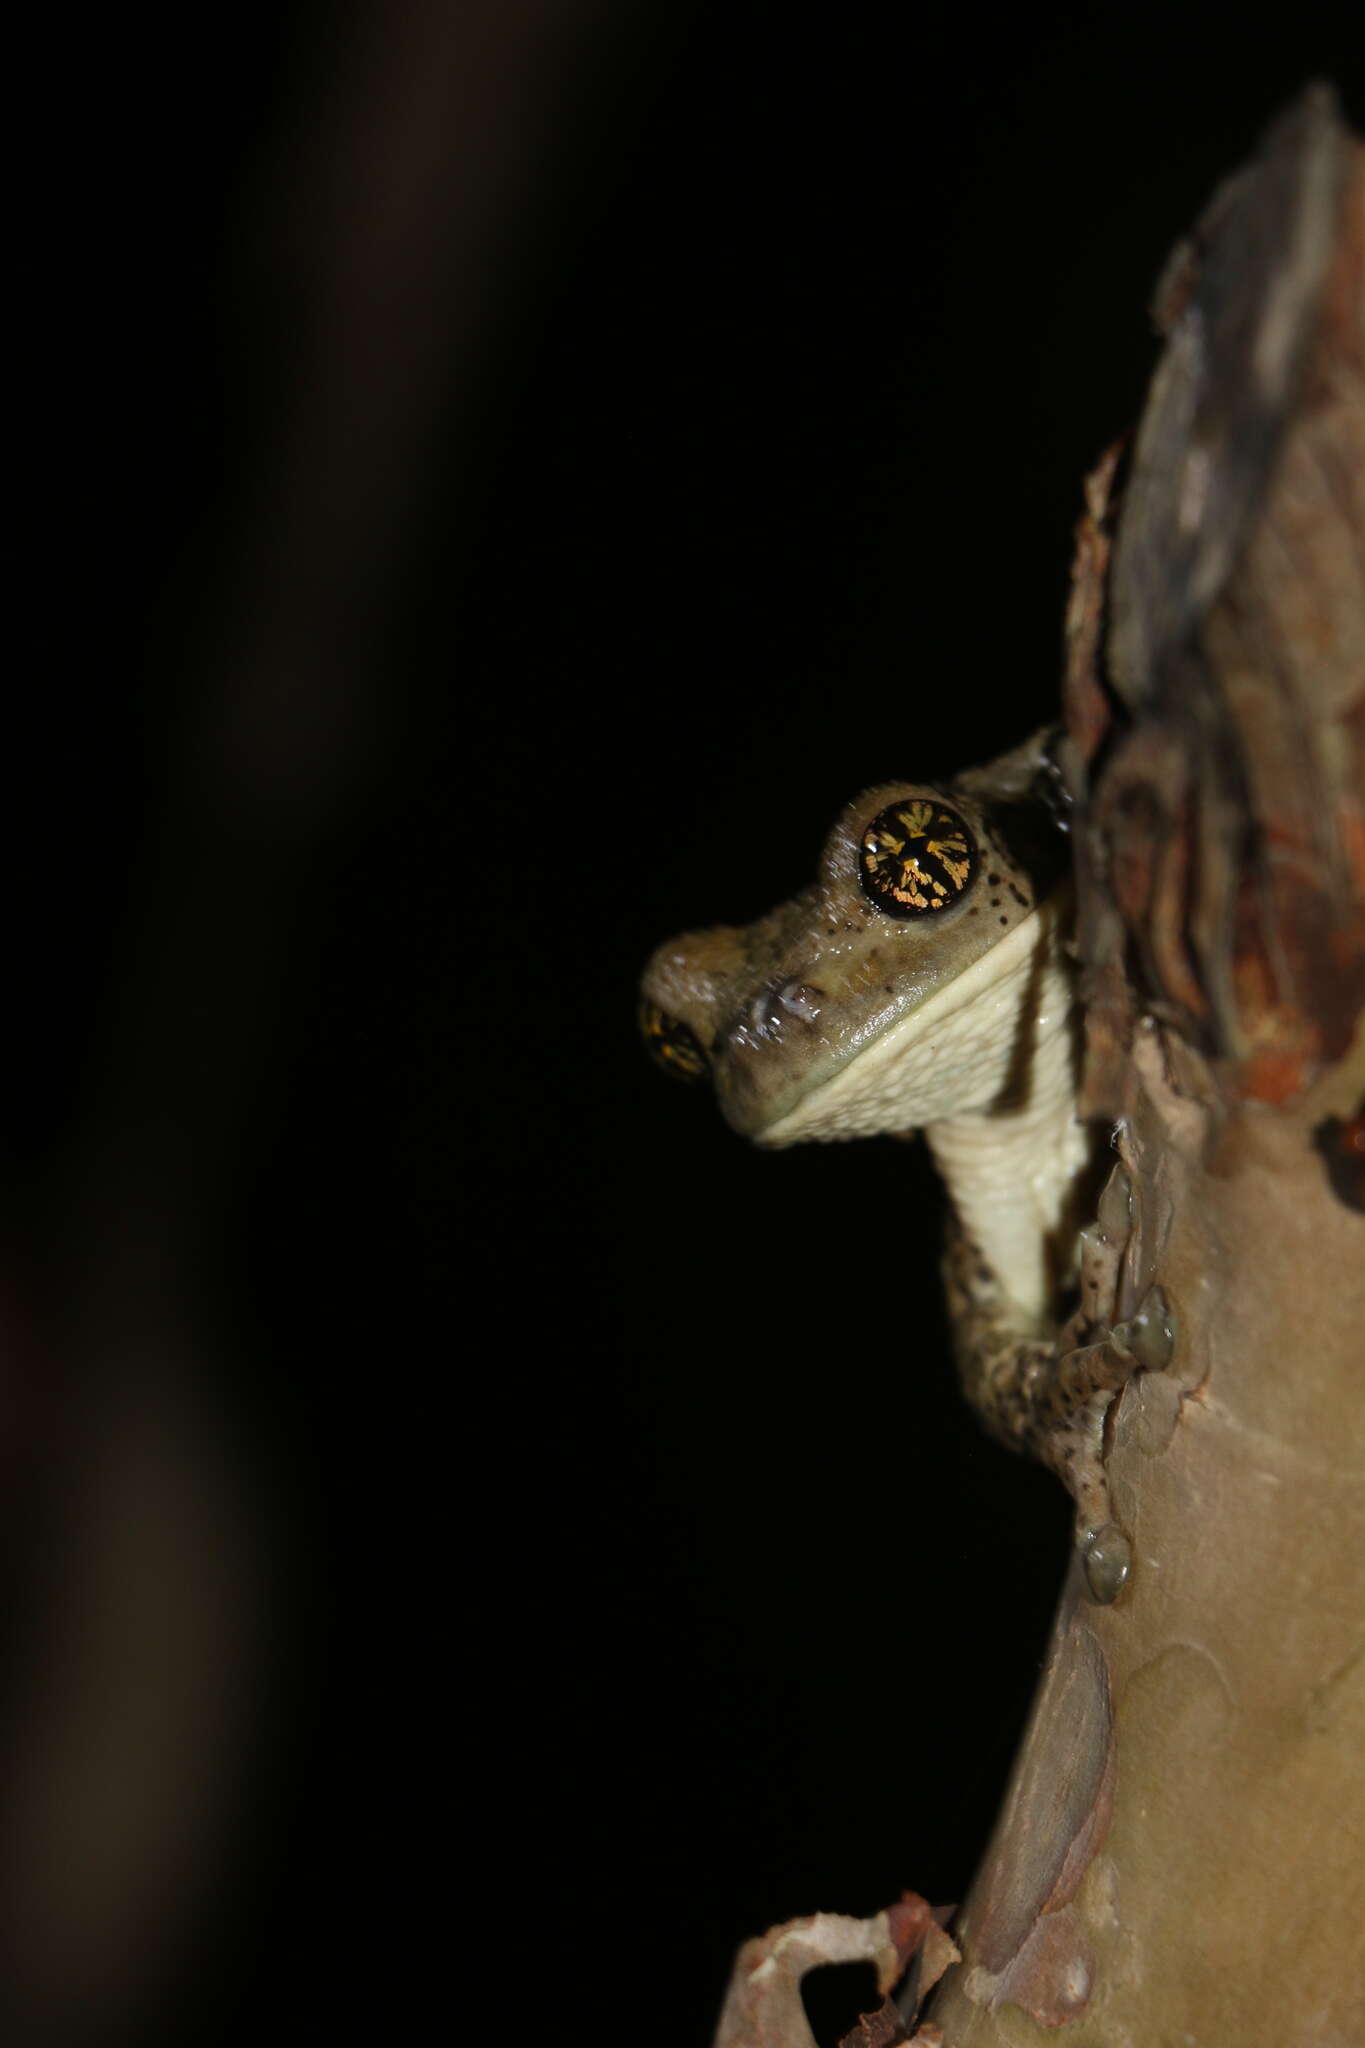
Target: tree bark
[1179,1854]
[1178,1858]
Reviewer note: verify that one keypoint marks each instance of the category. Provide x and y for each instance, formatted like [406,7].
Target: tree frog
[924,982]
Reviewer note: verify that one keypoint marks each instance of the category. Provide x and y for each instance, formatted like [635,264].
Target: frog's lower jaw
[1019,1175]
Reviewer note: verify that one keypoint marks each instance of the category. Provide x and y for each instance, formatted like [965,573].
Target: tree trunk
[1179,1855]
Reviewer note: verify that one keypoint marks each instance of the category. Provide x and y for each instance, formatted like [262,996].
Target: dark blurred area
[476,1534]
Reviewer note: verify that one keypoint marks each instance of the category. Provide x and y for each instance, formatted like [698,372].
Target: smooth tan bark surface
[1182,1855]
[1227,1902]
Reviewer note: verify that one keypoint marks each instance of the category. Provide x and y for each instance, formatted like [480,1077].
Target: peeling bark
[763,2007]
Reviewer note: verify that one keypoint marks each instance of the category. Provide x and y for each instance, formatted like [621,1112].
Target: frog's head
[906,985]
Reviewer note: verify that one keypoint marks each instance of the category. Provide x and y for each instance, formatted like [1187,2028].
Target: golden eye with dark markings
[671,1045]
[916,855]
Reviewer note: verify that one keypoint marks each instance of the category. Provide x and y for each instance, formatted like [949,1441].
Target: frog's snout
[781,1019]
[705,1010]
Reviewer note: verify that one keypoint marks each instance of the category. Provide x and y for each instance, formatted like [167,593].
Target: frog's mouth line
[947,1053]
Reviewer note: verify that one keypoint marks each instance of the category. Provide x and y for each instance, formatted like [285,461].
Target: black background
[637,1578]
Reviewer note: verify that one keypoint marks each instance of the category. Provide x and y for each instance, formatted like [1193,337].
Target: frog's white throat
[986,1067]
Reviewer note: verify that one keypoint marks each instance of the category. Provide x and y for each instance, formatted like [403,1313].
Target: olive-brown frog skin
[781,1005]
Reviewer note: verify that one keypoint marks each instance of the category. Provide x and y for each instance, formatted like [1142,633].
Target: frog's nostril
[772,1010]
[802,999]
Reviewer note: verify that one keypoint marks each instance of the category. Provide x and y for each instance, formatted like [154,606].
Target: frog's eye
[671,1045]
[915,856]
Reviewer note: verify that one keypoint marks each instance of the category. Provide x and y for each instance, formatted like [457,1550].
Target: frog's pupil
[916,856]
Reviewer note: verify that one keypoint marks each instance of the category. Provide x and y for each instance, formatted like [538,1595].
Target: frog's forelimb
[1044,1395]
[1020,1171]
[1020,1177]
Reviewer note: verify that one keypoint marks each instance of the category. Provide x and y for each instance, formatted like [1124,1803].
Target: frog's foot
[1102,1246]
[1067,1430]
[1050,1395]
